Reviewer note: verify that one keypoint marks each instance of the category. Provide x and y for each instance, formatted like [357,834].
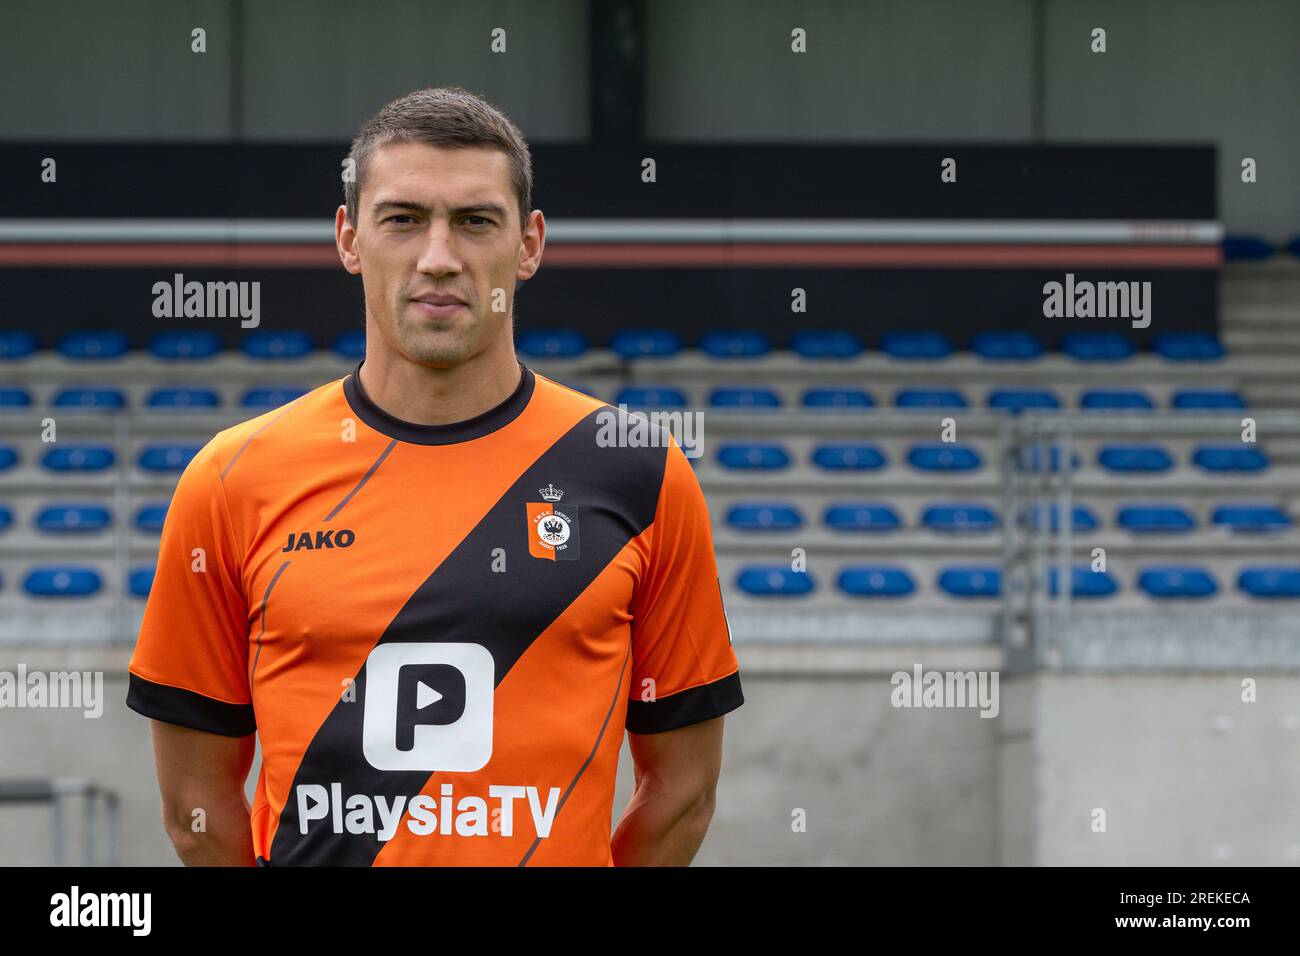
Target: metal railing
[1036,474]
[57,792]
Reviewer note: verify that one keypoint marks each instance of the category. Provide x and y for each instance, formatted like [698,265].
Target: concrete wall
[1188,773]
[1221,71]
[290,70]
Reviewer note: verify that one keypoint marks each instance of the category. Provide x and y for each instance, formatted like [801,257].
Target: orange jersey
[439,632]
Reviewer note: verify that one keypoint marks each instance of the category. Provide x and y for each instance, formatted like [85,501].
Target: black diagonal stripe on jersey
[463,600]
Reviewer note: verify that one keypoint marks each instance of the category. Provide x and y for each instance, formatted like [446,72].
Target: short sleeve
[684,669]
[190,665]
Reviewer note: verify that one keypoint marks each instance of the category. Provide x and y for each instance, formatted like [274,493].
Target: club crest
[552,526]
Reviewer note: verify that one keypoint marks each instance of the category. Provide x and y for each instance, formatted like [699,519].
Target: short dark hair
[447,116]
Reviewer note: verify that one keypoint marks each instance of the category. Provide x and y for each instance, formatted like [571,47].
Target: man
[431,590]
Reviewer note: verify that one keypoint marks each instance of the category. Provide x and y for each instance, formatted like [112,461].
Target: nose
[438,257]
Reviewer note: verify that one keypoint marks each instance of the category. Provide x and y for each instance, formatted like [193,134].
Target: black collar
[448,434]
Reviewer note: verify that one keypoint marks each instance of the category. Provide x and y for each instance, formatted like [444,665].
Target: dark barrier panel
[1121,184]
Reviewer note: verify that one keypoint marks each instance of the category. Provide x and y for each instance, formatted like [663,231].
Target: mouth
[438,306]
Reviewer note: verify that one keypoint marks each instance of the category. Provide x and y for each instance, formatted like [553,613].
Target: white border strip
[847,231]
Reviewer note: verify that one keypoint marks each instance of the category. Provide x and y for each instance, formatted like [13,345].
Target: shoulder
[278,435]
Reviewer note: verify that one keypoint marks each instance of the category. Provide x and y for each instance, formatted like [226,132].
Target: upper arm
[685,761]
[190,665]
[194,766]
[684,670]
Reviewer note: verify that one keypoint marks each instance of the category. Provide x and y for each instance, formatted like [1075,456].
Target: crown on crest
[550,493]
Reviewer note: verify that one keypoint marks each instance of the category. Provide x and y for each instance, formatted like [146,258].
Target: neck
[439,396]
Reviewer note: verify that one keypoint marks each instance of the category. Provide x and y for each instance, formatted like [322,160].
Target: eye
[481,220]
[397,217]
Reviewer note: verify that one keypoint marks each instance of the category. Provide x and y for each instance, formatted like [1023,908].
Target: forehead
[436,174]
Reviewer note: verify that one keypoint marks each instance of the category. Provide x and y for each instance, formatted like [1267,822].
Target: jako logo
[324,539]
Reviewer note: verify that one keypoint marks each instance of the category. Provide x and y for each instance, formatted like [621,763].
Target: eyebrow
[491,207]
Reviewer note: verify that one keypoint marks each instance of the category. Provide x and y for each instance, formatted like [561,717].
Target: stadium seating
[889,517]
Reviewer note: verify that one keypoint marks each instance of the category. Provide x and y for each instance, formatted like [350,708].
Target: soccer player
[430,587]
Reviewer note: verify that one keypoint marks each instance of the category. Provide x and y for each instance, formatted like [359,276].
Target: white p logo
[428,707]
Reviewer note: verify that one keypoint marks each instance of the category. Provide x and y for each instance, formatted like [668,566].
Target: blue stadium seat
[943,456]
[876,581]
[976,581]
[1007,346]
[837,398]
[1154,519]
[1270,582]
[1206,399]
[1239,247]
[16,345]
[652,396]
[167,456]
[1229,458]
[15,398]
[774,580]
[271,345]
[646,343]
[735,344]
[99,398]
[1293,246]
[62,580]
[139,582]
[753,456]
[6,518]
[1115,399]
[8,457]
[1096,346]
[929,398]
[1250,518]
[1030,458]
[1134,458]
[73,518]
[848,456]
[268,398]
[1177,581]
[185,345]
[826,344]
[552,343]
[1084,582]
[959,518]
[183,398]
[1017,400]
[736,397]
[150,518]
[916,345]
[78,457]
[860,516]
[84,346]
[1082,518]
[764,516]
[1187,346]
[350,344]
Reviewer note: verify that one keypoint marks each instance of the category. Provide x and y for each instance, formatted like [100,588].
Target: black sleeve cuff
[685,707]
[176,706]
